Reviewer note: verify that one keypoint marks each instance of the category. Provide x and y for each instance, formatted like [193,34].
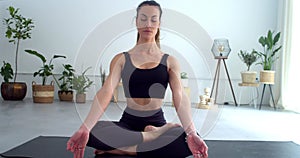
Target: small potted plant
[184,79]
[43,93]
[17,28]
[65,82]
[249,59]
[268,56]
[80,84]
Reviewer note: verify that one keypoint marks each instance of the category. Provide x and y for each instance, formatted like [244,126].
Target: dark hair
[150,3]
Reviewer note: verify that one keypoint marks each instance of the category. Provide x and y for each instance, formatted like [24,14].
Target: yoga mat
[55,147]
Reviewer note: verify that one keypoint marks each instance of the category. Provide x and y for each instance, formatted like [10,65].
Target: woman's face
[148,22]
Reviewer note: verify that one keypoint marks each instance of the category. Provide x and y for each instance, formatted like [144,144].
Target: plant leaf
[33,52]
[276,38]
[59,56]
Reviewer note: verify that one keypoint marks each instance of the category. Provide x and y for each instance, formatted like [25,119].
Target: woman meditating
[146,72]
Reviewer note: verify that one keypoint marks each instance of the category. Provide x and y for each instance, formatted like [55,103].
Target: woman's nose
[148,23]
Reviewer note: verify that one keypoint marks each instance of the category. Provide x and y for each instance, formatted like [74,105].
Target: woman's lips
[147,31]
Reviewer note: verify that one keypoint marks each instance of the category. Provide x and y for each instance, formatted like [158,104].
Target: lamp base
[216,80]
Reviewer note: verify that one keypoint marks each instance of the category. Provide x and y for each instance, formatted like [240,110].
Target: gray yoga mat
[50,147]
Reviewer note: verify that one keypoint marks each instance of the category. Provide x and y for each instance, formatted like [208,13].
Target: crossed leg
[150,133]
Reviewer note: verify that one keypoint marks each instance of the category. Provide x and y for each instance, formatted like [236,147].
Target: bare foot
[152,132]
[98,152]
[121,151]
[150,128]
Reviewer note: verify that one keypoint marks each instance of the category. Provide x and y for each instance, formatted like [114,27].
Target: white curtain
[290,56]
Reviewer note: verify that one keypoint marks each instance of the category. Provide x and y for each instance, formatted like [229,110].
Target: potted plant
[268,56]
[184,79]
[11,90]
[64,83]
[17,28]
[80,84]
[42,93]
[249,59]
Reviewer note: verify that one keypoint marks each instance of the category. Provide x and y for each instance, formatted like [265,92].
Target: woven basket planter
[249,76]
[267,77]
[43,93]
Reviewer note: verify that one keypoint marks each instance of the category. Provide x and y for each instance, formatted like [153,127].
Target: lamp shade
[221,48]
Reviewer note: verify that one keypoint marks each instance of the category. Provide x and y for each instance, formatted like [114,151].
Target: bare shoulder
[172,62]
[118,58]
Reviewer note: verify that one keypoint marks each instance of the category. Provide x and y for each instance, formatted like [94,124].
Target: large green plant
[248,58]
[46,70]
[81,82]
[65,81]
[7,72]
[271,47]
[17,28]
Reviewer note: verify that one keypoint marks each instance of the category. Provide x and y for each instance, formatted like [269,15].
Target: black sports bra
[145,83]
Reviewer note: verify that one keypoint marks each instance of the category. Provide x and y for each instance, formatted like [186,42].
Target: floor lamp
[221,52]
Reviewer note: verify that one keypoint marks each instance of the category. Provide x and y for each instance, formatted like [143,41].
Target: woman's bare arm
[180,99]
[103,96]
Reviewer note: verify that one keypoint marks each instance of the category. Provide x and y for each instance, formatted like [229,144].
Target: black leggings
[108,135]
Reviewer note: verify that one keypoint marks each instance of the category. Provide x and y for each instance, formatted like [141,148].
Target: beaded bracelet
[189,133]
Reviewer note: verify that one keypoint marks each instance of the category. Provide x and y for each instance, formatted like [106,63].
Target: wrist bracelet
[190,132]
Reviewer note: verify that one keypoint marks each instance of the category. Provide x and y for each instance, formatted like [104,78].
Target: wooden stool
[254,85]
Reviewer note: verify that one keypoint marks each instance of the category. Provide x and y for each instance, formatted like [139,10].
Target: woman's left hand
[197,146]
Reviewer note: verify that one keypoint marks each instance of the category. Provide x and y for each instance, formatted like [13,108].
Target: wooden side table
[253,85]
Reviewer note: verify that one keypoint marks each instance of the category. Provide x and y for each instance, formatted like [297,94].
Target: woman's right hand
[197,146]
[78,141]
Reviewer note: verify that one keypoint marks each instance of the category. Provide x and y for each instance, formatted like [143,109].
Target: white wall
[65,26]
